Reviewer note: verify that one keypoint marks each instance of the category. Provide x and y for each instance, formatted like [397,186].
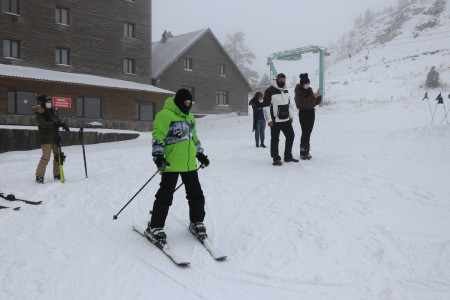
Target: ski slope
[366,218]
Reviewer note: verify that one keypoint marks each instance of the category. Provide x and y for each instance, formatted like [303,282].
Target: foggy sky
[269,25]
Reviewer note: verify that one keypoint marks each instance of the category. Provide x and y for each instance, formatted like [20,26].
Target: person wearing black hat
[47,126]
[175,150]
[306,100]
[278,114]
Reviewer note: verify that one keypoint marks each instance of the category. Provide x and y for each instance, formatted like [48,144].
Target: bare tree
[241,56]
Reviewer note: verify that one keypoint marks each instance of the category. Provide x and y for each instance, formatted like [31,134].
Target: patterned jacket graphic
[175,136]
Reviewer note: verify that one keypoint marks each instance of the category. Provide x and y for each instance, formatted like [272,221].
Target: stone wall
[26,139]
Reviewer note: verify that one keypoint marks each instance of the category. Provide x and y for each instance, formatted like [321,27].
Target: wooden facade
[212,72]
[94,34]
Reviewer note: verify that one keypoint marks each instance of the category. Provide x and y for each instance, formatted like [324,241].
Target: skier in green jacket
[176,149]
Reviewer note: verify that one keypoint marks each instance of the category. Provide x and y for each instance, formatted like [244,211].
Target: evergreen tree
[241,56]
[264,82]
[432,78]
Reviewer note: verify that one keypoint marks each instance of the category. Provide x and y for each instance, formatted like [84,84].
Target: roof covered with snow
[75,78]
[165,53]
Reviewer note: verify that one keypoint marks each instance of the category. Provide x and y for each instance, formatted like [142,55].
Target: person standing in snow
[306,100]
[278,114]
[259,123]
[47,126]
[175,147]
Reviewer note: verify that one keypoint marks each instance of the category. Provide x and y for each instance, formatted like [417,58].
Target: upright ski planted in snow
[165,249]
[59,154]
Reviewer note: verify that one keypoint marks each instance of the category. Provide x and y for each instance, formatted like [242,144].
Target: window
[222,69]
[10,6]
[144,111]
[89,107]
[188,64]
[62,16]
[128,30]
[62,56]
[221,97]
[11,48]
[129,66]
[21,103]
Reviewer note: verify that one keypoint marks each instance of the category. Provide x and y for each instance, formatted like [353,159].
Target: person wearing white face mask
[47,126]
[279,114]
[306,100]
[259,123]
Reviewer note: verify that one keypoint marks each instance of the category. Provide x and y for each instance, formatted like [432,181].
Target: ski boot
[290,159]
[199,230]
[157,235]
[40,179]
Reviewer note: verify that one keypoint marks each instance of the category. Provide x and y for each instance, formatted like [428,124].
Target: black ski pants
[307,118]
[164,197]
[288,131]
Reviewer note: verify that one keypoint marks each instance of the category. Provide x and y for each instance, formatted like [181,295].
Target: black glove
[203,159]
[161,162]
[62,125]
[65,127]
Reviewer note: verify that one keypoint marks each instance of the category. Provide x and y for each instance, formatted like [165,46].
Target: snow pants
[45,158]
[164,197]
[288,131]
[306,118]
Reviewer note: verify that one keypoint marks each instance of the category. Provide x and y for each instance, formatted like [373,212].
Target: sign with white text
[61,102]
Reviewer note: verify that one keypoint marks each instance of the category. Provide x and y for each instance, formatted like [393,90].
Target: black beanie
[43,98]
[182,95]
[304,79]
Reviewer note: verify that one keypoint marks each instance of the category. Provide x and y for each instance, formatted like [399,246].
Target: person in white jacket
[279,114]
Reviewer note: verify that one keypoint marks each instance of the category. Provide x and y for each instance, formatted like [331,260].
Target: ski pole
[115,216]
[80,139]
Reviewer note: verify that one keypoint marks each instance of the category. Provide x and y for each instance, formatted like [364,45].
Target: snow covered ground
[366,218]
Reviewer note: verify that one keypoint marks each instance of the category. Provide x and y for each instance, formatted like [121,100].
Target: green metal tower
[296,54]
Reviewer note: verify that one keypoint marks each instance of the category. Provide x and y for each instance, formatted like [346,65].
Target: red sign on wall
[62,102]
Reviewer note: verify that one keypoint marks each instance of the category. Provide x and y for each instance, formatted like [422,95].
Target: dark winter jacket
[304,99]
[277,104]
[46,125]
[258,113]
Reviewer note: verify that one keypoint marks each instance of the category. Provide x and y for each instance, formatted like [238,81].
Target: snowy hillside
[401,46]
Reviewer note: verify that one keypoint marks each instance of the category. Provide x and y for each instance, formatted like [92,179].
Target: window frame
[13,105]
[188,64]
[81,107]
[222,70]
[222,96]
[8,51]
[59,16]
[60,58]
[138,110]
[10,4]
[129,27]
[126,66]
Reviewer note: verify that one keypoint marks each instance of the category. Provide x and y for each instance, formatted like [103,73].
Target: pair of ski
[206,243]
[7,207]
[12,197]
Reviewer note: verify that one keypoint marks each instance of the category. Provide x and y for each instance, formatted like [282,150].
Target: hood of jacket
[170,104]
[38,109]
